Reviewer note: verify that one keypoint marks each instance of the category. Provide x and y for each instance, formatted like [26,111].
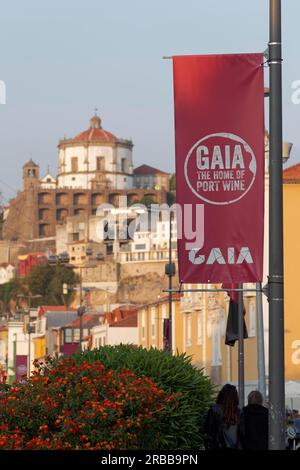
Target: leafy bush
[69,405]
[182,428]
[115,397]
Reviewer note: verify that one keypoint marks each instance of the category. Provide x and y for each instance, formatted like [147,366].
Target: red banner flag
[219,138]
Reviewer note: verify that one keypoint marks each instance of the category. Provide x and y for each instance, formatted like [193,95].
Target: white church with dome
[93,157]
[95,167]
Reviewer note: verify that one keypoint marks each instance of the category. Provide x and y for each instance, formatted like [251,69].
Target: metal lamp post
[275,283]
[170,272]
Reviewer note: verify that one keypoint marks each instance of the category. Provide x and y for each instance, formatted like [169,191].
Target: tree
[173,182]
[48,281]
[171,198]
[10,291]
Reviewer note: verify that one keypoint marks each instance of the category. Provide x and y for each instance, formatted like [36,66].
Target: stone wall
[35,211]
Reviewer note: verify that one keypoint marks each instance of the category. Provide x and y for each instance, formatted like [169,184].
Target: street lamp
[275,280]
[170,271]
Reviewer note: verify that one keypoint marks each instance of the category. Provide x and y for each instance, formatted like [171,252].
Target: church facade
[94,168]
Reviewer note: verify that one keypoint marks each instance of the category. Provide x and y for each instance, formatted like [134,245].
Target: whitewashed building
[92,154]
[7,272]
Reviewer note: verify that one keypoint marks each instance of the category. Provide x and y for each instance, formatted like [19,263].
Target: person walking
[254,423]
[222,421]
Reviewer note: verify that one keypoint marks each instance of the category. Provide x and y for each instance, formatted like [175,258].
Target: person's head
[229,400]
[255,398]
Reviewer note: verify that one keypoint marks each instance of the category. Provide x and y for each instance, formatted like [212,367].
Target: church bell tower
[31,175]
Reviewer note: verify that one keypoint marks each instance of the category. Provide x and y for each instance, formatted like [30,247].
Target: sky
[61,59]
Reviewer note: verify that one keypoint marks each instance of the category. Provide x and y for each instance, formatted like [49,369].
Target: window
[68,335]
[100,163]
[252,320]
[216,359]
[74,164]
[140,246]
[143,324]
[153,323]
[164,314]
[76,335]
[123,165]
[104,341]
[199,328]
[188,330]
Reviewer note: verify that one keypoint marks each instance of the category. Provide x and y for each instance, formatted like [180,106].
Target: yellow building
[199,319]
[3,347]
[151,322]
[199,326]
[291,201]
[39,347]
[203,324]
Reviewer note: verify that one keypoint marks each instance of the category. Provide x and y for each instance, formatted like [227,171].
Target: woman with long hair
[222,422]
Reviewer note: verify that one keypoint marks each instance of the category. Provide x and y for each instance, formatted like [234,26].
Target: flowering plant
[66,405]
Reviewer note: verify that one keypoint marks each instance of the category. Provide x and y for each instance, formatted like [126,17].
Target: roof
[60,318]
[148,170]
[119,314]
[291,175]
[130,321]
[95,133]
[54,308]
[88,321]
[30,163]
[47,177]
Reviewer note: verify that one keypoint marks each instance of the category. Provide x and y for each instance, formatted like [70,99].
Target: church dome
[95,133]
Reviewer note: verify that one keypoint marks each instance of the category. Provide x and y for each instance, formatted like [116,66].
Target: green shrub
[83,406]
[182,428]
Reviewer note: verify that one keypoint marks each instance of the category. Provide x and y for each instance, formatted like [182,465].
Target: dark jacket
[218,435]
[254,427]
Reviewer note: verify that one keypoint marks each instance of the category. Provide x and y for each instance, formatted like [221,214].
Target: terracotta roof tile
[88,321]
[53,308]
[148,170]
[130,321]
[292,174]
[96,135]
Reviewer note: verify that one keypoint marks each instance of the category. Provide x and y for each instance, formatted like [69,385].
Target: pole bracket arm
[275,53]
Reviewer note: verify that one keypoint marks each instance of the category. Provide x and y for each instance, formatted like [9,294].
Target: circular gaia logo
[220,168]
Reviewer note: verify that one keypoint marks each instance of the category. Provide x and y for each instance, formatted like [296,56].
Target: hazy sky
[62,58]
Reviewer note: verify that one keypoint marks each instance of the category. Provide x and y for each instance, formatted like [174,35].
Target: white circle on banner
[22,369]
[228,183]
